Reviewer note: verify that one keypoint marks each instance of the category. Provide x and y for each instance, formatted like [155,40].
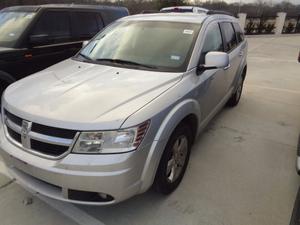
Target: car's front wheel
[174,160]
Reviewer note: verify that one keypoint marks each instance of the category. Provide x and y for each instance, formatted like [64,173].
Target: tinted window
[229,36]
[239,32]
[54,25]
[109,16]
[86,24]
[212,41]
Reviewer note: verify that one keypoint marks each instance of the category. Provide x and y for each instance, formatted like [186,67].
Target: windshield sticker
[12,34]
[188,31]
[175,57]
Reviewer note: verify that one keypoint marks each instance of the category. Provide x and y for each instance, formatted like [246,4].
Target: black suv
[33,38]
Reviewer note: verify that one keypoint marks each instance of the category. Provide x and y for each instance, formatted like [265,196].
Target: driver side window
[54,26]
[212,42]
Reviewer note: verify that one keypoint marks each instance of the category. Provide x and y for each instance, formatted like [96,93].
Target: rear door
[231,48]
[242,44]
[49,41]
[86,24]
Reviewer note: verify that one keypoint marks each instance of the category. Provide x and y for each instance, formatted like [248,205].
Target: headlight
[105,142]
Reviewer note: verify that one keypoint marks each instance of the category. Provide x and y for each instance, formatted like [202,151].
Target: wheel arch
[187,111]
[244,71]
[5,80]
[6,77]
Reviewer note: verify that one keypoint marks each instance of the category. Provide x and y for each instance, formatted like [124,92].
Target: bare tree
[258,8]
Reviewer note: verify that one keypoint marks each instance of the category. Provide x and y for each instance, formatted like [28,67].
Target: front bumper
[77,178]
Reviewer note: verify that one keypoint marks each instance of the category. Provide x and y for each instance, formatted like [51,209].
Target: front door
[50,41]
[212,83]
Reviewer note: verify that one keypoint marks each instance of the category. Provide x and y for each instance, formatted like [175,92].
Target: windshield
[153,45]
[12,25]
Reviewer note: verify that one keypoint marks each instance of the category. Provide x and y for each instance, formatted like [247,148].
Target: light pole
[240,6]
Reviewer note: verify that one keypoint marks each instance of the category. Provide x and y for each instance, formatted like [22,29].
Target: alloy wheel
[178,158]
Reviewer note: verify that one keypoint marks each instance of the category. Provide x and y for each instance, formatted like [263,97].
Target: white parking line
[69,210]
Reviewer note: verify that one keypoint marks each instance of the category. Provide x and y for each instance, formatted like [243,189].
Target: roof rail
[212,12]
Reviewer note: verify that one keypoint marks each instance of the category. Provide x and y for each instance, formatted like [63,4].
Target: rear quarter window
[239,33]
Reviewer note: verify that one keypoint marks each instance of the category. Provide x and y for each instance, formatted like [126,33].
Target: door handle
[227,67]
[241,53]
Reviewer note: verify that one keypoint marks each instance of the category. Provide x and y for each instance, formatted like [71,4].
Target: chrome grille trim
[50,139]
[12,125]
[31,135]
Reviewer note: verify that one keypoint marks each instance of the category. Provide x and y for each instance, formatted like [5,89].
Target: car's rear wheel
[174,160]
[236,96]
[5,81]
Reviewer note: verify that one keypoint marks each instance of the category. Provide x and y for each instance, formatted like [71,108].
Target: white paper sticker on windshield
[188,31]
[175,57]
[12,34]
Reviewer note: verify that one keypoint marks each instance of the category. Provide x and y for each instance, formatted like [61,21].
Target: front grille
[49,149]
[47,141]
[13,118]
[53,131]
[14,135]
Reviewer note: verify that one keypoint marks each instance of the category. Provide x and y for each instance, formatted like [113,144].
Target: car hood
[85,96]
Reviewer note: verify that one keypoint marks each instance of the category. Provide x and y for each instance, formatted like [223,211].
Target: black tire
[162,182]
[3,86]
[236,96]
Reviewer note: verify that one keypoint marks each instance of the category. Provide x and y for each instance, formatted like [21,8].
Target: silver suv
[122,115]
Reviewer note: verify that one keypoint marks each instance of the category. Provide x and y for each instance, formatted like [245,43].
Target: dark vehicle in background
[33,38]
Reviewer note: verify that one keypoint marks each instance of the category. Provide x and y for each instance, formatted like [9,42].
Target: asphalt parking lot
[241,171]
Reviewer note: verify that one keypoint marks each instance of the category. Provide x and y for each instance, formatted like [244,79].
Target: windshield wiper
[84,56]
[121,61]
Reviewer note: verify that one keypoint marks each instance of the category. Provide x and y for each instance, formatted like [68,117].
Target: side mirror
[84,43]
[39,39]
[214,60]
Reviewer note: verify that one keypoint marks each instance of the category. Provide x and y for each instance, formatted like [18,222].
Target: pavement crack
[7,184]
